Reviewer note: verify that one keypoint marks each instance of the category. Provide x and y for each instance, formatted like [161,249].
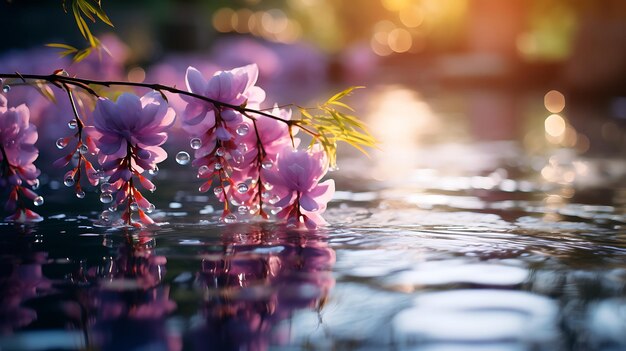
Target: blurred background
[547,74]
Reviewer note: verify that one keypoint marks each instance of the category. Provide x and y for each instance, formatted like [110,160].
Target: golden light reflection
[136,75]
[399,119]
[412,17]
[272,25]
[555,125]
[400,40]
[554,101]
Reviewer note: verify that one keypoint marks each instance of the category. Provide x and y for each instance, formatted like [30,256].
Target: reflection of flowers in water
[21,279]
[132,305]
[261,277]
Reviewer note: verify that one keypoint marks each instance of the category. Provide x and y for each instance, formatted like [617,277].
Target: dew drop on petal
[230,218]
[265,195]
[69,181]
[105,215]
[220,151]
[72,124]
[242,188]
[242,209]
[80,194]
[38,201]
[106,198]
[203,169]
[150,208]
[6,88]
[243,148]
[134,206]
[217,166]
[274,199]
[276,210]
[182,158]
[83,149]
[61,143]
[154,171]
[218,190]
[238,157]
[267,164]
[106,187]
[35,185]
[195,143]
[268,186]
[242,129]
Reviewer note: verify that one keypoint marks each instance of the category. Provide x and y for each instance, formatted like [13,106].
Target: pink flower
[234,87]
[132,122]
[18,152]
[295,178]
[129,134]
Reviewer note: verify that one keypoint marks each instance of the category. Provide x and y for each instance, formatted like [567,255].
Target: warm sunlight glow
[555,125]
[554,101]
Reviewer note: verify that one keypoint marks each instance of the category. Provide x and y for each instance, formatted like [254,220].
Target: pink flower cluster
[17,154]
[129,133]
[251,159]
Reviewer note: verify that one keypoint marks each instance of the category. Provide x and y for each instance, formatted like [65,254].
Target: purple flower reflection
[21,280]
[262,276]
[132,302]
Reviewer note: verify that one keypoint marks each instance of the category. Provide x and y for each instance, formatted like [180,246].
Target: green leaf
[343,94]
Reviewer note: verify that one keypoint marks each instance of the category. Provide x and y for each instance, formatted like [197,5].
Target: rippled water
[446,240]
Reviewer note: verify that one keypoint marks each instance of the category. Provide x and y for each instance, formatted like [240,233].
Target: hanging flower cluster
[249,156]
[17,154]
[237,152]
[129,134]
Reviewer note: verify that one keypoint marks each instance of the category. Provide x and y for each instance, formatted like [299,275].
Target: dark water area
[483,223]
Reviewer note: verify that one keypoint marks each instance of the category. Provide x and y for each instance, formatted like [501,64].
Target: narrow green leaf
[61,46]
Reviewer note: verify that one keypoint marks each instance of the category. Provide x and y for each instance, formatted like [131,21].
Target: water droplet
[203,169]
[242,209]
[195,143]
[217,166]
[105,215]
[150,208]
[106,187]
[220,151]
[218,190]
[35,185]
[182,158]
[242,188]
[38,201]
[113,207]
[69,181]
[6,88]
[265,195]
[106,198]
[242,129]
[134,206]
[61,143]
[80,193]
[154,171]
[268,186]
[276,210]
[238,157]
[83,149]
[274,199]
[243,148]
[267,164]
[72,124]
[230,218]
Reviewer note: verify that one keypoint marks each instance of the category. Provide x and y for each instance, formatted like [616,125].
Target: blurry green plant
[80,9]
